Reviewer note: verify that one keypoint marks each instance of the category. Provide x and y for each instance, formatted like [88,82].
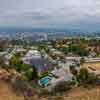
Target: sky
[64,14]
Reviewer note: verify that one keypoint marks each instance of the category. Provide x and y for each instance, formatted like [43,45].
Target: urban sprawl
[51,63]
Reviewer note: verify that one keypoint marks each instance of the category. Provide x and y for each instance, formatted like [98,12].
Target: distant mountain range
[13,29]
[7,29]
[70,32]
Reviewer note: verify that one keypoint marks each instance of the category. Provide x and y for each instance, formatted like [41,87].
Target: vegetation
[84,77]
[44,75]
[78,47]
[62,87]
[82,60]
[29,72]
[73,70]
[15,62]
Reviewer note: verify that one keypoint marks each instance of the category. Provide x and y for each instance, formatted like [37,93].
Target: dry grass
[95,65]
[84,94]
[6,89]
[6,92]
[79,93]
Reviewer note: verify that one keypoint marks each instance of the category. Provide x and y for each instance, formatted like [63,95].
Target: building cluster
[55,63]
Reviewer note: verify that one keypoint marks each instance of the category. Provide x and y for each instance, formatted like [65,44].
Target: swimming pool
[45,81]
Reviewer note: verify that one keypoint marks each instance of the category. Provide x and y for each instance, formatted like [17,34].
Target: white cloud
[50,13]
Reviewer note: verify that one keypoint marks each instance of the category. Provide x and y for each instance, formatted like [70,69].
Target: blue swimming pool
[45,81]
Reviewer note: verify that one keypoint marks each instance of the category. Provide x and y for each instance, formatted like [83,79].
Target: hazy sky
[70,14]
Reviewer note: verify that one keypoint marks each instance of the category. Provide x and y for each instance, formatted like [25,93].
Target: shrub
[73,70]
[43,92]
[57,98]
[61,87]
[83,75]
[44,75]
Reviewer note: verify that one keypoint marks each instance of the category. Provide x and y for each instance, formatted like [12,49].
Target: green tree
[34,73]
[31,74]
[73,70]
[25,67]
[78,49]
[15,62]
[83,75]
[82,60]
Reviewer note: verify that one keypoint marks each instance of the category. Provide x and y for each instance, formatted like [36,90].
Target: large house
[33,57]
[42,65]
[31,54]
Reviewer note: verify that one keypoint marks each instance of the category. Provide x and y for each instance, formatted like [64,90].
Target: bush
[43,92]
[84,77]
[73,70]
[61,87]
[92,79]
[82,60]
[44,75]
[28,75]
[57,98]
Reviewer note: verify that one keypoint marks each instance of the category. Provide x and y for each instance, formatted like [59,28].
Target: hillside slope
[6,90]
[7,93]
[84,94]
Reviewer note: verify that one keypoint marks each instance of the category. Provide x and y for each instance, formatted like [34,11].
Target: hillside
[84,94]
[7,93]
[78,94]
[6,89]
